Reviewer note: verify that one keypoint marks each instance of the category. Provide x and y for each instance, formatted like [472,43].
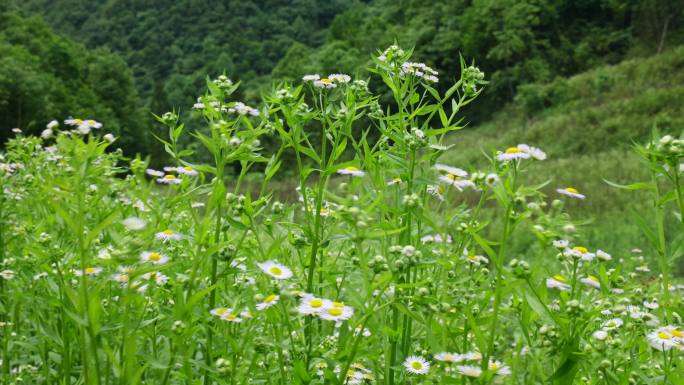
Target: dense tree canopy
[44,77]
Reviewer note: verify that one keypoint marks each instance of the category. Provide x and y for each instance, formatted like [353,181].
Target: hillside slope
[587,124]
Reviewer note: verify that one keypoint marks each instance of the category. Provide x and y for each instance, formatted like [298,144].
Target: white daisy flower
[186,170]
[275,269]
[109,137]
[602,255]
[105,253]
[499,368]
[436,238]
[153,257]
[571,192]
[557,282]
[664,338]
[168,235]
[91,124]
[7,274]
[311,78]
[133,223]
[169,179]
[340,78]
[643,269]
[456,181]
[46,133]
[561,243]
[336,311]
[416,365]
[268,302]
[534,152]
[324,83]
[469,370]
[590,280]
[311,305]
[512,153]
[613,323]
[153,172]
[52,125]
[491,179]
[121,278]
[449,357]
[394,181]
[73,122]
[451,170]
[351,170]
[158,278]
[326,212]
[243,109]
[600,335]
[219,311]
[88,271]
[580,252]
[651,305]
[476,260]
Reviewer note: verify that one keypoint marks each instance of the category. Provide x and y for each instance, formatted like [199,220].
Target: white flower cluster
[243,109]
[420,70]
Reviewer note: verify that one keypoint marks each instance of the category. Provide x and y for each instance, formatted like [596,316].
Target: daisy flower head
[613,323]
[336,311]
[491,179]
[158,278]
[91,124]
[219,311]
[600,335]
[168,235]
[533,152]
[243,109]
[557,282]
[394,181]
[449,357]
[420,70]
[459,182]
[121,278]
[73,122]
[154,173]
[88,271]
[580,252]
[499,368]
[592,281]
[512,153]
[275,269]
[340,78]
[311,305]
[469,370]
[311,78]
[169,179]
[187,170]
[602,255]
[451,170]
[477,260]
[416,365]
[7,274]
[351,170]
[153,257]
[665,338]
[571,192]
[326,212]
[133,223]
[561,243]
[269,301]
[324,83]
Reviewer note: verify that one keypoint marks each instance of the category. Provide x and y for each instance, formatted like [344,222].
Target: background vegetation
[581,79]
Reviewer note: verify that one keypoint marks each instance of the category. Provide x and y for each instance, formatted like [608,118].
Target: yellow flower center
[416,365]
[231,317]
[398,180]
[90,270]
[168,232]
[453,177]
[316,303]
[351,168]
[513,150]
[270,298]
[493,366]
[335,311]
[473,258]
[188,168]
[169,177]
[676,333]
[559,278]
[221,311]
[122,278]
[581,249]
[571,190]
[338,304]
[156,257]
[611,323]
[275,270]
[78,121]
[664,336]
[593,278]
[326,81]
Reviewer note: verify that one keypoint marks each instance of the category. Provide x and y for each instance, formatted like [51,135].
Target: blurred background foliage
[581,79]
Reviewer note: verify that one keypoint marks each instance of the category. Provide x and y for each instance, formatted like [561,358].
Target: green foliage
[44,77]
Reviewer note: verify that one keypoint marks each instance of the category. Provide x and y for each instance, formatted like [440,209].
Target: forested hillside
[44,76]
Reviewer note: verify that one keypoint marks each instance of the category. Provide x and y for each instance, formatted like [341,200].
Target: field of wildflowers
[380,273]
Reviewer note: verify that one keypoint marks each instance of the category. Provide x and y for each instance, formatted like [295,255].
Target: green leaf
[633,186]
